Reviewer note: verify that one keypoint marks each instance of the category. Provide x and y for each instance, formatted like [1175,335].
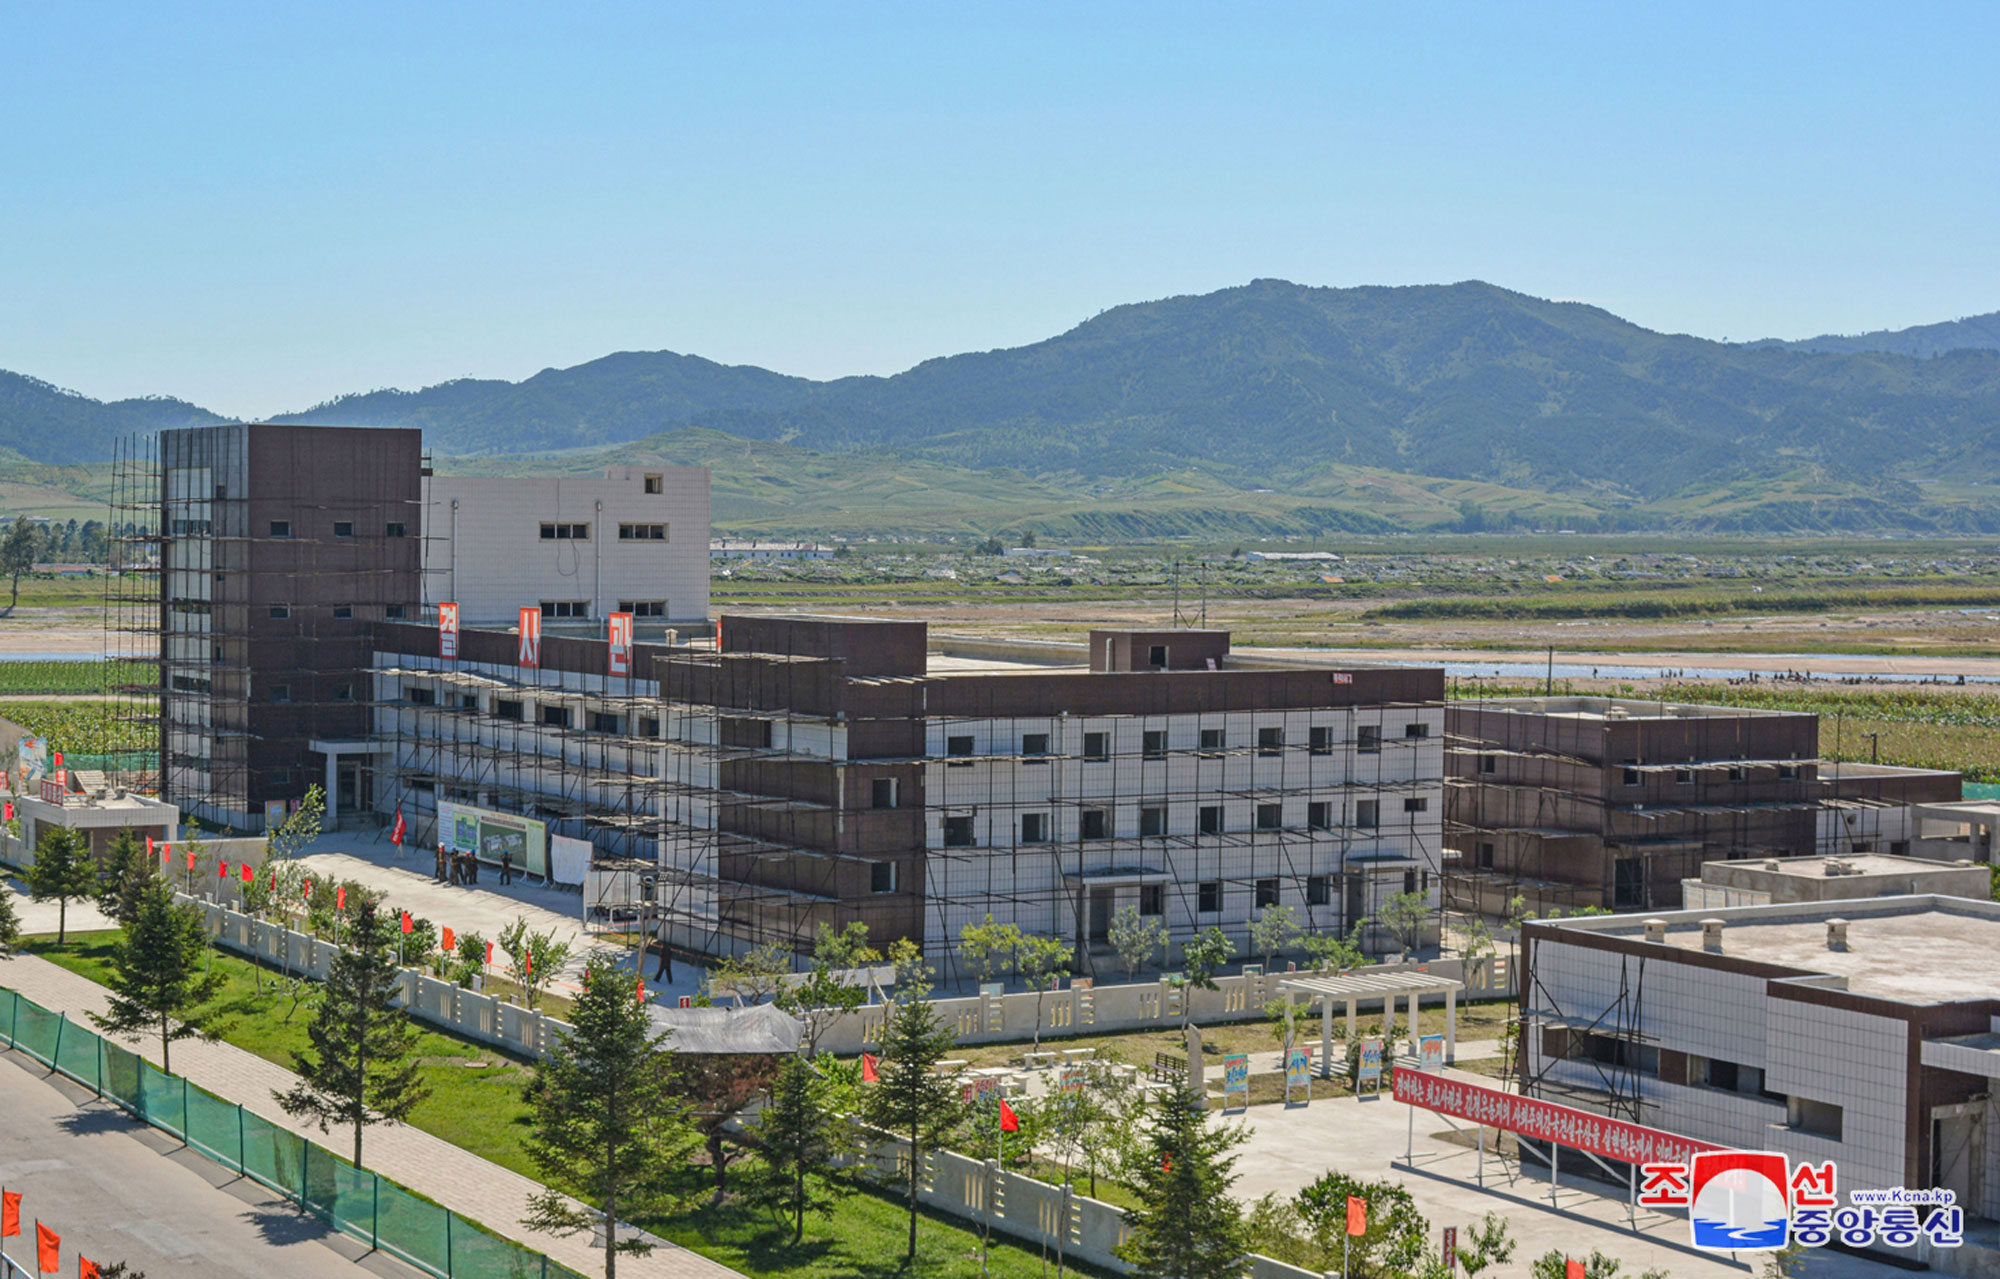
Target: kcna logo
[1748,1201]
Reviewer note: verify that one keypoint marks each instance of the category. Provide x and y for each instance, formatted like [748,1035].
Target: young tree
[1394,1241]
[716,1087]
[1272,931]
[1486,1244]
[1041,959]
[1554,1264]
[1186,1226]
[18,552]
[10,923]
[752,977]
[1135,937]
[359,1071]
[62,873]
[912,1100]
[828,992]
[1405,915]
[1200,960]
[1332,953]
[124,878]
[608,1129]
[985,945]
[800,1135]
[159,974]
[533,959]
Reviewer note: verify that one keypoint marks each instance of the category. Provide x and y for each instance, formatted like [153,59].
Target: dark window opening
[642,532]
[1096,823]
[1152,821]
[1489,763]
[1208,898]
[555,716]
[1097,746]
[281,692]
[395,528]
[1270,741]
[505,709]
[1267,893]
[1417,730]
[882,877]
[1210,819]
[343,692]
[1628,883]
[565,532]
[343,612]
[1319,815]
[1368,813]
[418,695]
[1156,655]
[1213,740]
[565,608]
[1154,744]
[281,610]
[1034,828]
[655,484]
[1820,1118]
[281,528]
[1485,854]
[397,611]
[882,792]
[958,832]
[1270,816]
[1035,744]
[1319,740]
[606,722]
[343,528]
[1317,890]
[1631,773]
[1368,739]
[1416,804]
[1152,899]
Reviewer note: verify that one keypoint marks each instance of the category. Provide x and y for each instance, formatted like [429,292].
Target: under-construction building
[1574,802]
[819,770]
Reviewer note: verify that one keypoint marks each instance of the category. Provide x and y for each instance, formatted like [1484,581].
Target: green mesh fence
[353,1200]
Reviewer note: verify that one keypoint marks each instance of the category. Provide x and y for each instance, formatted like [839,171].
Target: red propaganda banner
[48,1250]
[1545,1120]
[621,644]
[447,630]
[10,1213]
[530,654]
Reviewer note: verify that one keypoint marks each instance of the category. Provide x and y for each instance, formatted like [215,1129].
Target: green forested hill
[44,423]
[1973,333]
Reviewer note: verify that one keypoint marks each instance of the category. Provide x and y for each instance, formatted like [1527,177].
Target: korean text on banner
[1544,1120]
[620,647]
[447,630]
[530,653]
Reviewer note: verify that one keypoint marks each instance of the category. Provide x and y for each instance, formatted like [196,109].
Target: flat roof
[1914,949]
[1845,866]
[1618,708]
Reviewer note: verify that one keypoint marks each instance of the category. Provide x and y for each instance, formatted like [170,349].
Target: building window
[1409,881]
[505,709]
[1270,741]
[1368,739]
[1208,898]
[1270,816]
[1631,773]
[1097,746]
[1485,855]
[1034,828]
[606,722]
[418,695]
[565,608]
[1368,814]
[1317,890]
[1788,772]
[1416,804]
[1736,773]
[1152,899]
[1153,821]
[1319,740]
[1096,824]
[649,726]
[555,716]
[1628,883]
[1319,815]
[343,612]
[642,532]
[1156,655]
[643,608]
[281,611]
[958,832]
[281,692]
[1683,777]
[1416,730]
[1209,819]
[958,747]
[281,528]
[882,877]
[343,692]
[1821,1118]
[1154,744]
[1489,763]
[1267,893]
[397,611]
[395,528]
[656,484]
[882,792]
[565,532]
[343,528]
[1899,848]
[1035,745]
[1213,741]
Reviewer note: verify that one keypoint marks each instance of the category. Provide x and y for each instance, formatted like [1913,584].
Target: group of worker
[455,867]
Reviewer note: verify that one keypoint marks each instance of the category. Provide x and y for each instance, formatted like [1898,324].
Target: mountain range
[1315,399]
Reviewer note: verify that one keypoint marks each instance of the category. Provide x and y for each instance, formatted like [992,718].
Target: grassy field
[82,727]
[71,675]
[1914,727]
[477,1103]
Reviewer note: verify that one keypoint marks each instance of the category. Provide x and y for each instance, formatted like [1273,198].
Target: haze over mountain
[1277,385]
[49,424]
[1973,333]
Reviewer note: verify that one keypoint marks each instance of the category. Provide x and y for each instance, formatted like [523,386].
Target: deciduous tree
[1273,930]
[159,977]
[608,1127]
[533,959]
[359,1071]
[1041,959]
[716,1088]
[1135,937]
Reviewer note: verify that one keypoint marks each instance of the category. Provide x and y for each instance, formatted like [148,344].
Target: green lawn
[476,1103]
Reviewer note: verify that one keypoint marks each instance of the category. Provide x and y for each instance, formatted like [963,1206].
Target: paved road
[473,1187]
[117,1191]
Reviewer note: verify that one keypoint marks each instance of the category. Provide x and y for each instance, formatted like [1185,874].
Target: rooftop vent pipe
[1711,936]
[1836,934]
[1656,930]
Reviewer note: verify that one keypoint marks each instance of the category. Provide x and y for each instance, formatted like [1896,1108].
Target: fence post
[14,1024]
[56,1056]
[447,1243]
[242,1150]
[375,1212]
[187,1129]
[100,1068]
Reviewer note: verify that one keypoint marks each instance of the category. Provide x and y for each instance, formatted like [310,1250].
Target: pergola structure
[1351,988]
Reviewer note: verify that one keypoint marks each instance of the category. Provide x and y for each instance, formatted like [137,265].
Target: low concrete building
[83,802]
[1949,832]
[1865,1032]
[737,548]
[1819,879]
[633,540]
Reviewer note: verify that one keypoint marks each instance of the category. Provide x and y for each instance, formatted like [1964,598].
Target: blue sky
[257,207]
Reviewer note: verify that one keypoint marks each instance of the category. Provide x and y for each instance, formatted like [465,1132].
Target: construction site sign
[530,655]
[491,836]
[620,647]
[448,630]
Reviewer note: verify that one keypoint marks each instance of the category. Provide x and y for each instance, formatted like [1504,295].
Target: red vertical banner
[447,630]
[48,1250]
[530,655]
[620,647]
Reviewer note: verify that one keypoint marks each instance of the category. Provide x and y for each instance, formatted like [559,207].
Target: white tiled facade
[981,781]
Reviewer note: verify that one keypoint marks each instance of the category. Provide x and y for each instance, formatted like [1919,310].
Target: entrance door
[1100,914]
[1954,1141]
[348,779]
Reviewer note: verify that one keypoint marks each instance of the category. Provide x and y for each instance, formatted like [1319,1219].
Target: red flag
[222,870]
[1357,1216]
[309,890]
[190,859]
[489,957]
[1166,1163]
[48,1249]
[10,810]
[1009,1121]
[450,942]
[10,1213]
[250,873]
[409,925]
[868,1075]
[396,831]
[86,1268]
[149,848]
[1572,1268]
[528,963]
[274,878]
[642,990]
[340,898]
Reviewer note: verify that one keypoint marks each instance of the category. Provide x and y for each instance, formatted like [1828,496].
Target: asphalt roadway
[116,1190]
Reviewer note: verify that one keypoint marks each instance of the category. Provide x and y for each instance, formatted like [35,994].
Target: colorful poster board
[32,759]
[488,835]
[447,630]
[1298,1075]
[1371,1066]
[1430,1052]
[1236,1081]
[1070,1078]
[619,649]
[529,657]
